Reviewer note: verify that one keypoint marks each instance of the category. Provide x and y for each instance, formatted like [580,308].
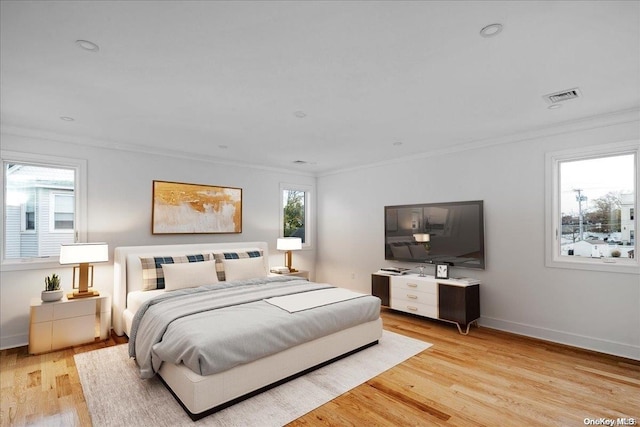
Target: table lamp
[289,244]
[83,254]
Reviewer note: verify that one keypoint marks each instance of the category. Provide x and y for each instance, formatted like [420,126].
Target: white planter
[48,296]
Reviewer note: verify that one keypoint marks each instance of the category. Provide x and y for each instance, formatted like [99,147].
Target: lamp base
[87,294]
[287,262]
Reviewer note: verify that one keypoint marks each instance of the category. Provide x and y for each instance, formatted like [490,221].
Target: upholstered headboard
[127,269]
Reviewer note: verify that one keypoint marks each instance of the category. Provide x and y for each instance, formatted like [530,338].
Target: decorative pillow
[152,275]
[244,268]
[220,256]
[189,275]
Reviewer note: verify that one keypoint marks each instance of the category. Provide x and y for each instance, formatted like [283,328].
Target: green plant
[52,283]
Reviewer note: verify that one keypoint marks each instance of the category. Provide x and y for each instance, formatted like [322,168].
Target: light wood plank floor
[487,378]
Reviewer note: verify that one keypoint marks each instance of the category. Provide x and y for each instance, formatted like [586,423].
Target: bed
[315,324]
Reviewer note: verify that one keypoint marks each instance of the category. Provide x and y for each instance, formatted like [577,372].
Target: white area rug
[117,397]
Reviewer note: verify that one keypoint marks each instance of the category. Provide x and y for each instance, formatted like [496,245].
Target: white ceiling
[224,80]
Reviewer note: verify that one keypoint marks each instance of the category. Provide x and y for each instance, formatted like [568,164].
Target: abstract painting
[180,208]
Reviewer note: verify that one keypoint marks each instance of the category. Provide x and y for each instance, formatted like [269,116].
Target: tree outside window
[294,213]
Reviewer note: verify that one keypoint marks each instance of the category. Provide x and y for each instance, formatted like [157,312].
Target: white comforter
[215,327]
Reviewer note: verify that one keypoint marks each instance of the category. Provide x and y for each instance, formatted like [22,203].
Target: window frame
[80,204]
[553,258]
[308,222]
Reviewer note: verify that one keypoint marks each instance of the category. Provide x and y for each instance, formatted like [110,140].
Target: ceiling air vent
[565,95]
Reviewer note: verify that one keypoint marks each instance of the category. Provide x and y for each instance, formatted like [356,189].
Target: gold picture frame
[180,208]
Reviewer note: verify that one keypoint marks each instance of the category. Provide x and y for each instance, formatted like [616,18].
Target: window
[28,214]
[591,200]
[44,204]
[61,215]
[295,217]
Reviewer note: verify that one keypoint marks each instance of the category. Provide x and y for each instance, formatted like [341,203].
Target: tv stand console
[451,300]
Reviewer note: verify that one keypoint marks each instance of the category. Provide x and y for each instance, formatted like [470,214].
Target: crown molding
[138,148]
[586,123]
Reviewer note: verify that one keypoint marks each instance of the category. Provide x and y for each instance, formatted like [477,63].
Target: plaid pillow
[152,275]
[231,255]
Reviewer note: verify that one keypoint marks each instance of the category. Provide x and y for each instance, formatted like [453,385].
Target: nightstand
[65,323]
[300,273]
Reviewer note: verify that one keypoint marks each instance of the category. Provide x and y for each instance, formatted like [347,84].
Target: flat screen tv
[451,233]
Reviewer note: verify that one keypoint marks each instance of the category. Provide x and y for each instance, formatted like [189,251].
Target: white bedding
[307,300]
[177,326]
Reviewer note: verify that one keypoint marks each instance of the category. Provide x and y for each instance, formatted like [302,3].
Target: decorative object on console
[52,291]
[421,268]
[83,254]
[289,244]
[442,271]
[193,208]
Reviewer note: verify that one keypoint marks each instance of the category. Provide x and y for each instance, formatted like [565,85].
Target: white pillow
[189,275]
[244,268]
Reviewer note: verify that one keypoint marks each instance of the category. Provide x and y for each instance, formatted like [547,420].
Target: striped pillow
[152,275]
[219,256]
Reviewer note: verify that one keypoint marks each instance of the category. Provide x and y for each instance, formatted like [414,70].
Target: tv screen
[451,233]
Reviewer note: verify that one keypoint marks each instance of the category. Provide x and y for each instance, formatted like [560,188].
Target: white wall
[119,213]
[595,310]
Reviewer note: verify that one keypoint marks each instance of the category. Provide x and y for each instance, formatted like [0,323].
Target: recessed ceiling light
[67,118]
[300,114]
[223,147]
[87,45]
[554,106]
[491,30]
[397,143]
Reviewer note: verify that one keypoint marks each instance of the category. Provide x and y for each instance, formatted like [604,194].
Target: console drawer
[415,308]
[412,296]
[414,283]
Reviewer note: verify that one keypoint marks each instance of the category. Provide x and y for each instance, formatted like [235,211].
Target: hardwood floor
[486,378]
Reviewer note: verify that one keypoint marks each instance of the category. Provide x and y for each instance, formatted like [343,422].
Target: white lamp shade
[289,244]
[422,237]
[78,253]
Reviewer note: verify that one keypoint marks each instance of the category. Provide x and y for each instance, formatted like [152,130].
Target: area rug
[117,397]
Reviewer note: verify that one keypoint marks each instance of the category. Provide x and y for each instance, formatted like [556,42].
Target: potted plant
[52,291]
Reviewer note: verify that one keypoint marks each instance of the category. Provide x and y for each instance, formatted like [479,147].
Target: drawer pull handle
[412,285]
[412,296]
[412,308]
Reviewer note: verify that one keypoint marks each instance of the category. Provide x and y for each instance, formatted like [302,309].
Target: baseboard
[14,341]
[575,340]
